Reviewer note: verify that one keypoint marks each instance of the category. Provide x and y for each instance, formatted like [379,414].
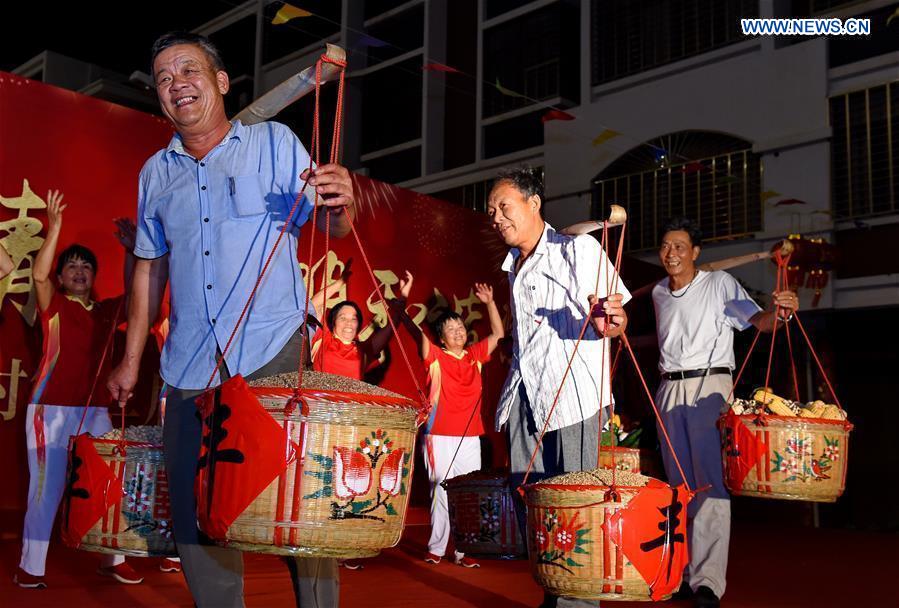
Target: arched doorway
[713,178]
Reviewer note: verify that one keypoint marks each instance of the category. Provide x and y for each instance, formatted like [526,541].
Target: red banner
[652,533]
[241,454]
[92,151]
[91,488]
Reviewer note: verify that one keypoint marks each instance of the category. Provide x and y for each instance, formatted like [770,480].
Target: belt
[695,373]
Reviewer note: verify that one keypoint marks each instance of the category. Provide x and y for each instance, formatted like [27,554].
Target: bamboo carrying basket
[482,516]
[320,507]
[602,571]
[631,460]
[794,458]
[139,524]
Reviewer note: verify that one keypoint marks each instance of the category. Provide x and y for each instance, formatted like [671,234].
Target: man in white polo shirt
[696,313]
[552,278]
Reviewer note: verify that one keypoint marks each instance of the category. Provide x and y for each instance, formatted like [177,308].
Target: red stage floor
[772,568]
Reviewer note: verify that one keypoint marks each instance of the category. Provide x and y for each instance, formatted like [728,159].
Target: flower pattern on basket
[799,464]
[347,477]
[140,491]
[558,540]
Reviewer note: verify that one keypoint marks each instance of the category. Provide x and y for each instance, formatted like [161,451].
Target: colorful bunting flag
[727,180]
[366,40]
[508,92]
[556,115]
[694,167]
[288,12]
[605,136]
[895,15]
[433,66]
[768,194]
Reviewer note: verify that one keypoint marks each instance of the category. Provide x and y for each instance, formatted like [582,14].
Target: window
[519,133]
[810,8]
[460,92]
[630,37]
[391,105]
[711,178]
[471,196]
[864,152]
[492,8]
[536,56]
[397,35]
[882,40]
[374,8]
[397,167]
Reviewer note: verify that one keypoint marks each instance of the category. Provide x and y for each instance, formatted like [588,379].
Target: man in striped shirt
[556,282]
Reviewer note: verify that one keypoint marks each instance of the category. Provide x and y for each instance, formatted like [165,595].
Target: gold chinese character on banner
[11,394]
[20,237]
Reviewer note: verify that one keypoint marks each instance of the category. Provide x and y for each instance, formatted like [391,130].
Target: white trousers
[439,450]
[55,424]
[690,409]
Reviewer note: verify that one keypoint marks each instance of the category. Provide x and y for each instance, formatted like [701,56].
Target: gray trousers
[571,448]
[215,574]
[690,409]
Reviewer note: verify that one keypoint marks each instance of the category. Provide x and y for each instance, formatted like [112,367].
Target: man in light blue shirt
[210,208]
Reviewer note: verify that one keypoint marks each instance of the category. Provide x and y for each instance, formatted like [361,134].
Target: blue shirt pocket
[248,197]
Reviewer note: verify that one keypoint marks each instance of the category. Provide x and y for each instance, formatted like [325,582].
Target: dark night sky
[115,35]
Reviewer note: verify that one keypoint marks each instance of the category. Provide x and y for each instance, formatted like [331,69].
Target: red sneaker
[170,565]
[123,573]
[467,562]
[431,558]
[28,581]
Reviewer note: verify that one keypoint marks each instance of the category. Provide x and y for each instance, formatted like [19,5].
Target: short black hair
[175,38]
[527,180]
[685,224]
[332,314]
[73,252]
[442,319]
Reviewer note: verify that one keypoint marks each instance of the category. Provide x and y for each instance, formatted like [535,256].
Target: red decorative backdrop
[92,151]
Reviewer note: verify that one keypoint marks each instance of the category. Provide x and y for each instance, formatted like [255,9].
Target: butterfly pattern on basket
[558,540]
[139,492]
[347,477]
[798,461]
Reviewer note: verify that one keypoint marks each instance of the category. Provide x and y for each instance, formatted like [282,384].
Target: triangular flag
[768,194]
[433,66]
[556,115]
[288,12]
[895,15]
[727,180]
[508,92]
[366,40]
[694,167]
[605,136]
[790,201]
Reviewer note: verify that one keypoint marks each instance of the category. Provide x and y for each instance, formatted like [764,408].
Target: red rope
[421,395]
[833,393]
[655,411]
[106,349]
[334,158]
[246,307]
[755,340]
[792,358]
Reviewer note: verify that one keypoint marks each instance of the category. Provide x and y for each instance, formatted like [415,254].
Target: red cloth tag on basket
[91,487]
[741,450]
[243,450]
[652,533]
